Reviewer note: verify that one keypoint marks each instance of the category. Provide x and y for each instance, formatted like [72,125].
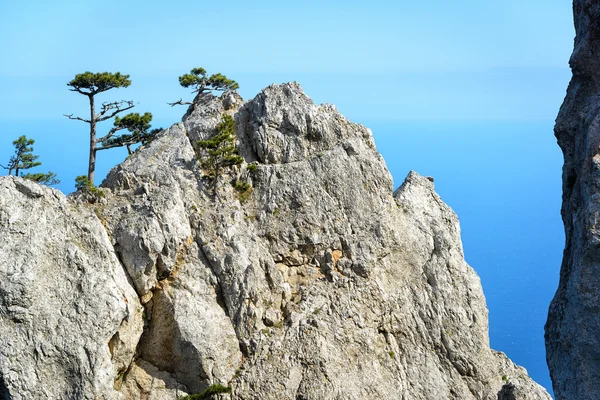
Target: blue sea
[502,178]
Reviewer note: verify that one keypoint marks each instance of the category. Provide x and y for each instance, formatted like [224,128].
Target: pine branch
[180,102]
[110,133]
[117,106]
[110,146]
[78,90]
[70,116]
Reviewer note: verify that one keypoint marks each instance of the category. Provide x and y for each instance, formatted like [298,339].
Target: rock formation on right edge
[573,327]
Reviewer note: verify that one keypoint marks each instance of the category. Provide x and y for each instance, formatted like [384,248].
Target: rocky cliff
[573,327]
[317,281]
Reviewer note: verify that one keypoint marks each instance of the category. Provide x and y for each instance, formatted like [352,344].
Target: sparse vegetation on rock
[90,84]
[208,393]
[139,129]
[24,159]
[220,151]
[198,80]
[84,185]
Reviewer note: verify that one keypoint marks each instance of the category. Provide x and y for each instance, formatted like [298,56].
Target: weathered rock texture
[573,327]
[317,282]
[69,320]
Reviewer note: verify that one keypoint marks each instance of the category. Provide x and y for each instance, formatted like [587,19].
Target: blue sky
[432,59]
[158,38]
[466,91]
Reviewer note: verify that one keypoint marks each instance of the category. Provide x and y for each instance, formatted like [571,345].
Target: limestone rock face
[303,276]
[69,320]
[573,327]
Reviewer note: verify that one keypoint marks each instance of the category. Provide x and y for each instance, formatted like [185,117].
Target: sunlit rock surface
[319,282]
[69,319]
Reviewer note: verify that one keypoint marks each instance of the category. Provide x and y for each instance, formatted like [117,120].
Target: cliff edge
[316,281]
[573,326]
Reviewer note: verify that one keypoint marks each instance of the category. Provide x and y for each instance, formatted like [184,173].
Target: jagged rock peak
[286,126]
[311,280]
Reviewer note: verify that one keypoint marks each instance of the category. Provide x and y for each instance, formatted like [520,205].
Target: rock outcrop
[303,277]
[573,327]
[69,319]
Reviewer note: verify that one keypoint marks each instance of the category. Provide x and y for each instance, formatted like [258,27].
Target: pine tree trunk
[92,160]
[18,157]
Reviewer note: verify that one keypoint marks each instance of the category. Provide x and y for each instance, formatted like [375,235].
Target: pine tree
[87,188]
[24,159]
[90,84]
[48,179]
[221,150]
[200,83]
[139,130]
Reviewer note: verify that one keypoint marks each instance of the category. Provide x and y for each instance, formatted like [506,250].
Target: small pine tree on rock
[139,130]
[87,188]
[24,159]
[48,179]
[200,83]
[221,150]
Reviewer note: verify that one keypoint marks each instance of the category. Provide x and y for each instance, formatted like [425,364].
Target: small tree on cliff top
[198,81]
[139,130]
[221,150]
[90,84]
[24,159]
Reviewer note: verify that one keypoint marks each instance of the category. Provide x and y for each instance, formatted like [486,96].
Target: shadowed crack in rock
[4,392]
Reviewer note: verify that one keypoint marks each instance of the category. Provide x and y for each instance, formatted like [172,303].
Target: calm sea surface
[501,178]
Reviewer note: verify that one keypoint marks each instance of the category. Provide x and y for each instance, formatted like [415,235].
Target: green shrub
[241,186]
[221,151]
[252,167]
[84,185]
[44,179]
[243,189]
[210,391]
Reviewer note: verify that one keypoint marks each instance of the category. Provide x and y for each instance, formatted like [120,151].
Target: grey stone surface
[573,326]
[318,282]
[69,320]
